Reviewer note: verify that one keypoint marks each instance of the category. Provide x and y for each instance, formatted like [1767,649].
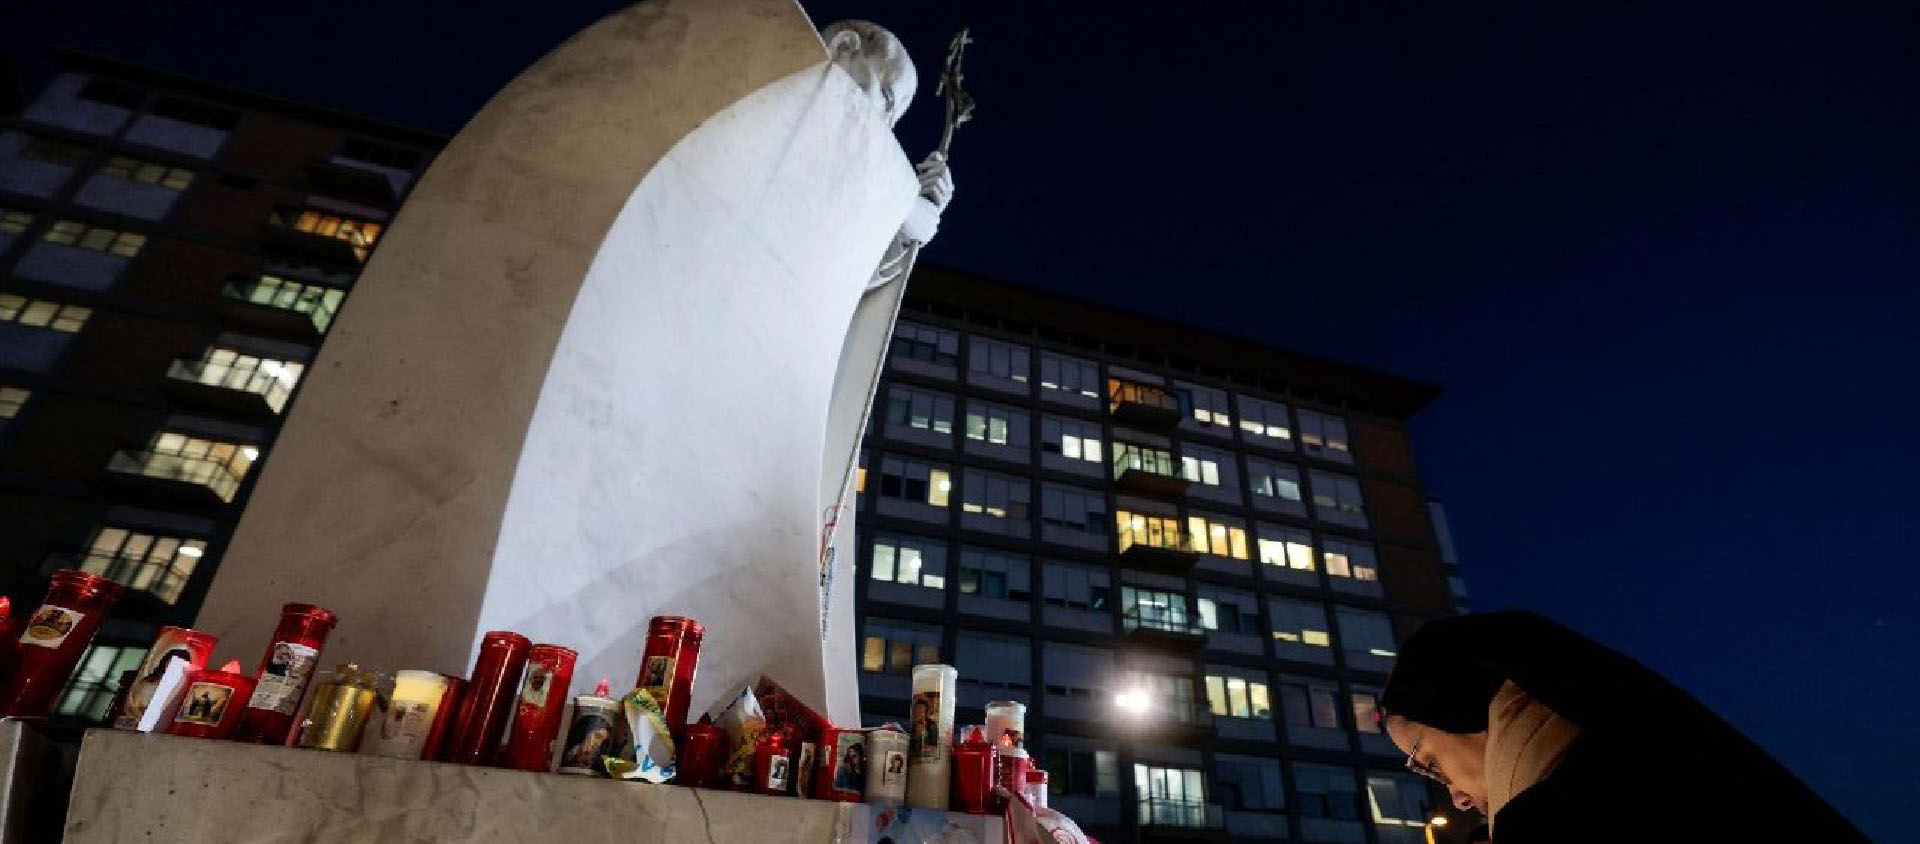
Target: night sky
[1663,258]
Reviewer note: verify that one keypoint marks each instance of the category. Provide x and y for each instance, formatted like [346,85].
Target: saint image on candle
[852,773]
[282,660]
[587,741]
[926,723]
[206,702]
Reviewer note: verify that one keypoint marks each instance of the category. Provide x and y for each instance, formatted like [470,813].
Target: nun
[1556,738]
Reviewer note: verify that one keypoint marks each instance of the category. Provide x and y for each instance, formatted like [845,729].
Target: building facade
[1192,556]
[171,255]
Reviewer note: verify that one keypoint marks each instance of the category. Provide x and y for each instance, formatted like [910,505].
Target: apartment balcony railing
[255,391]
[1166,551]
[1148,471]
[191,480]
[1143,405]
[1163,815]
[1159,625]
[302,311]
[320,236]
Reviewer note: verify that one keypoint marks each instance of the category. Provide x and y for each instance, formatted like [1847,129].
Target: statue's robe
[586,377]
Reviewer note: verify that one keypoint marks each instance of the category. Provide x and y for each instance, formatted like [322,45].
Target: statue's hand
[936,190]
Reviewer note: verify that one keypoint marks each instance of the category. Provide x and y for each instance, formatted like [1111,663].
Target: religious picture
[204,704]
[804,785]
[285,678]
[589,740]
[148,683]
[659,670]
[777,774]
[896,770]
[49,626]
[539,681]
[851,775]
[926,726]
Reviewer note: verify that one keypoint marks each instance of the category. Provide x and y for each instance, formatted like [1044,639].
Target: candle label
[657,678]
[50,626]
[850,773]
[777,774]
[539,684]
[284,678]
[407,721]
[204,704]
[895,773]
[805,786]
[926,727]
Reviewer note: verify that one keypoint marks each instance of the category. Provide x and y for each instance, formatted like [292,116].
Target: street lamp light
[1436,821]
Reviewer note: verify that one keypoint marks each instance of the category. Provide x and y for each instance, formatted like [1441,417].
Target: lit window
[1286,547]
[96,238]
[1216,536]
[38,313]
[1070,438]
[1349,559]
[91,689]
[920,410]
[360,234]
[1366,712]
[913,481]
[320,303]
[1140,458]
[1149,530]
[273,380]
[1278,482]
[152,173]
[1238,697]
[1302,622]
[160,565]
[14,222]
[1069,375]
[1324,436]
[1397,799]
[1204,406]
[912,560]
[219,466]
[1155,609]
[1225,610]
[1209,467]
[1265,422]
[11,400]
[991,423]
[895,647]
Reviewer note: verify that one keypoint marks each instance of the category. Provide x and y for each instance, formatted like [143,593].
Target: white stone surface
[586,377]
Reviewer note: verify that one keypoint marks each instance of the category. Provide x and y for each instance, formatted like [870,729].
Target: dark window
[199,114]
[361,149]
[112,93]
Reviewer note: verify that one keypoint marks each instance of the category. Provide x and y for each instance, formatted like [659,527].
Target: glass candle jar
[192,646]
[488,701]
[1007,723]
[666,671]
[931,732]
[402,731]
[440,735]
[340,709]
[285,672]
[214,703]
[542,705]
[55,637]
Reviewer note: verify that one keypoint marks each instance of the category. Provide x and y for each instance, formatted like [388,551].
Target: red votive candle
[285,672]
[488,701]
[666,671]
[842,769]
[1010,767]
[973,774]
[772,765]
[55,636]
[215,702]
[543,701]
[440,735]
[173,643]
[9,636]
[702,756]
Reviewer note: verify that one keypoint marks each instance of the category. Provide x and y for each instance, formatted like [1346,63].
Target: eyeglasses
[1424,769]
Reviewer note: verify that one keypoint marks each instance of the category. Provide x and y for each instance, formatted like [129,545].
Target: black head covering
[1441,679]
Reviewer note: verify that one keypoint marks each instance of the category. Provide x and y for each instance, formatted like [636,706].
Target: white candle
[402,730]
[930,728]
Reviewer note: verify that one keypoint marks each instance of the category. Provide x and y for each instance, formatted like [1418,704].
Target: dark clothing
[1651,763]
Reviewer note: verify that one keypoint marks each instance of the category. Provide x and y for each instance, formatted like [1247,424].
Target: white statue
[610,361]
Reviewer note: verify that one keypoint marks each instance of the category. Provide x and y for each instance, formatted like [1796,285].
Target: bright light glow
[1380,652]
[251,453]
[1132,700]
[946,485]
[1439,820]
[190,551]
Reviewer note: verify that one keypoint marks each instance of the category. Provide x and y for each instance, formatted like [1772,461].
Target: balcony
[260,391]
[1163,627]
[193,481]
[349,182]
[1142,405]
[1147,472]
[1163,818]
[300,311]
[327,238]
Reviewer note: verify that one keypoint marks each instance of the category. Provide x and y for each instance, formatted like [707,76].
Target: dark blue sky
[1663,257]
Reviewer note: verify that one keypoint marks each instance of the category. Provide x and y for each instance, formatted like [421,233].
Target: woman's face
[1458,761]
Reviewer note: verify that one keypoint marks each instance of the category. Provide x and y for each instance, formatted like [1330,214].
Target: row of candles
[509,711]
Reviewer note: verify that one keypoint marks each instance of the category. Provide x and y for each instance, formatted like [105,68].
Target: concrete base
[32,782]
[164,790]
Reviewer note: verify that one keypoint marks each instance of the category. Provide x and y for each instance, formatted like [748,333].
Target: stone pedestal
[159,789]
[32,781]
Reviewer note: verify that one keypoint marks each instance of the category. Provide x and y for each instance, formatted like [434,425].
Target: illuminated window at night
[12,399]
[1324,436]
[1142,458]
[1397,799]
[895,647]
[1238,697]
[1209,467]
[38,313]
[359,234]
[1224,610]
[1349,559]
[1175,797]
[96,238]
[320,303]
[1286,547]
[1156,609]
[1217,536]
[1205,407]
[920,409]
[1367,717]
[1069,375]
[1070,438]
[1265,422]
[993,494]
[160,565]
[996,425]
[233,369]
[926,344]
[1300,622]
[14,222]
[913,560]
[996,574]
[1073,508]
[1279,482]
[911,480]
[1150,530]
[91,689]
[219,466]
[150,172]
[1336,498]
